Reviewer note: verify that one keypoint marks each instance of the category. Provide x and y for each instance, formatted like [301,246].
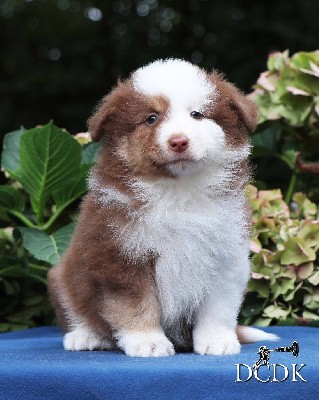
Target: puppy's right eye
[151,119]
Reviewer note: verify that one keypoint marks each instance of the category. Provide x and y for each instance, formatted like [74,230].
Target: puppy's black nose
[178,143]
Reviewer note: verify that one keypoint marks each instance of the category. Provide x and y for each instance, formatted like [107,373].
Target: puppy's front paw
[215,341]
[83,339]
[144,344]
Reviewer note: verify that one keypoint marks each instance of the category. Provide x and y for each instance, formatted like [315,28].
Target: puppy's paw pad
[145,344]
[216,343]
[79,339]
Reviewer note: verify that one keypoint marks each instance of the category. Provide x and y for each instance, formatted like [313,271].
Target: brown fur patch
[128,139]
[234,112]
[106,290]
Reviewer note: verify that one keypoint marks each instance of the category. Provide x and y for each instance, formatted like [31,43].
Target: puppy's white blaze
[188,89]
[178,80]
[206,138]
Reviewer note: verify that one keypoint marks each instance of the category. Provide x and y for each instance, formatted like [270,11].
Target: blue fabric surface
[33,365]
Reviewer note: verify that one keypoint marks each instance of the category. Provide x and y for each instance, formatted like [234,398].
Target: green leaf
[49,157]
[305,270]
[290,296]
[10,159]
[310,234]
[33,300]
[11,288]
[277,61]
[46,247]
[252,305]
[11,199]
[75,188]
[276,311]
[267,139]
[308,209]
[90,152]
[10,267]
[297,108]
[261,286]
[303,59]
[282,286]
[263,321]
[310,315]
[314,279]
[297,252]
[289,157]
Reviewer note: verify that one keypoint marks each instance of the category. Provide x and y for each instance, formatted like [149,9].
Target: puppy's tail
[247,334]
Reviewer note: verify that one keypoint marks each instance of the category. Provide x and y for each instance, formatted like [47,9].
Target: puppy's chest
[192,240]
[181,232]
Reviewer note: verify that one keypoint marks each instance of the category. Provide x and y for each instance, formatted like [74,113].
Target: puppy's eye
[151,119]
[197,115]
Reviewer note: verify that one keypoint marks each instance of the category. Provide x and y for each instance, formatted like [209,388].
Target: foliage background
[58,57]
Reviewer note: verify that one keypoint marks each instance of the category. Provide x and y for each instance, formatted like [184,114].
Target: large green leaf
[49,157]
[62,198]
[11,200]
[10,159]
[46,247]
[267,138]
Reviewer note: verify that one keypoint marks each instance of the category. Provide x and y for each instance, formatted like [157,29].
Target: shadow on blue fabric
[34,365]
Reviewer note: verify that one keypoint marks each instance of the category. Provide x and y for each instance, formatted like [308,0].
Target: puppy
[160,256]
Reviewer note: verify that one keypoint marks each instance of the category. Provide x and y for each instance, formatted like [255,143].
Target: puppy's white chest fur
[195,235]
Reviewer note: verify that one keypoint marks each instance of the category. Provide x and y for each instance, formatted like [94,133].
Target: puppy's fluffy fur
[160,255]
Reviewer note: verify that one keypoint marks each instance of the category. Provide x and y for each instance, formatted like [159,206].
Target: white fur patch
[248,334]
[144,344]
[197,229]
[215,341]
[106,195]
[83,338]
[180,81]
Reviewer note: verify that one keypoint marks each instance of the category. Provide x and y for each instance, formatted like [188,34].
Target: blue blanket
[33,365]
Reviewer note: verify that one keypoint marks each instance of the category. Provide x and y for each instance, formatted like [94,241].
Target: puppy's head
[171,118]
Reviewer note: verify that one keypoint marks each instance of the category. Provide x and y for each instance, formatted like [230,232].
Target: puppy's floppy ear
[103,121]
[230,96]
[98,122]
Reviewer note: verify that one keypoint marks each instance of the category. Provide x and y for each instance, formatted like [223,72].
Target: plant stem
[52,219]
[40,211]
[291,188]
[23,218]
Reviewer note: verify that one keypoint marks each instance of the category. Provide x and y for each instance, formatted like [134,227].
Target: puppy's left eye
[151,119]
[197,115]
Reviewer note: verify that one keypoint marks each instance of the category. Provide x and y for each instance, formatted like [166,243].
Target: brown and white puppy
[160,254]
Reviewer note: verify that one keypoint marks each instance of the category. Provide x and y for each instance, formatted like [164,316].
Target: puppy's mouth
[180,162]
